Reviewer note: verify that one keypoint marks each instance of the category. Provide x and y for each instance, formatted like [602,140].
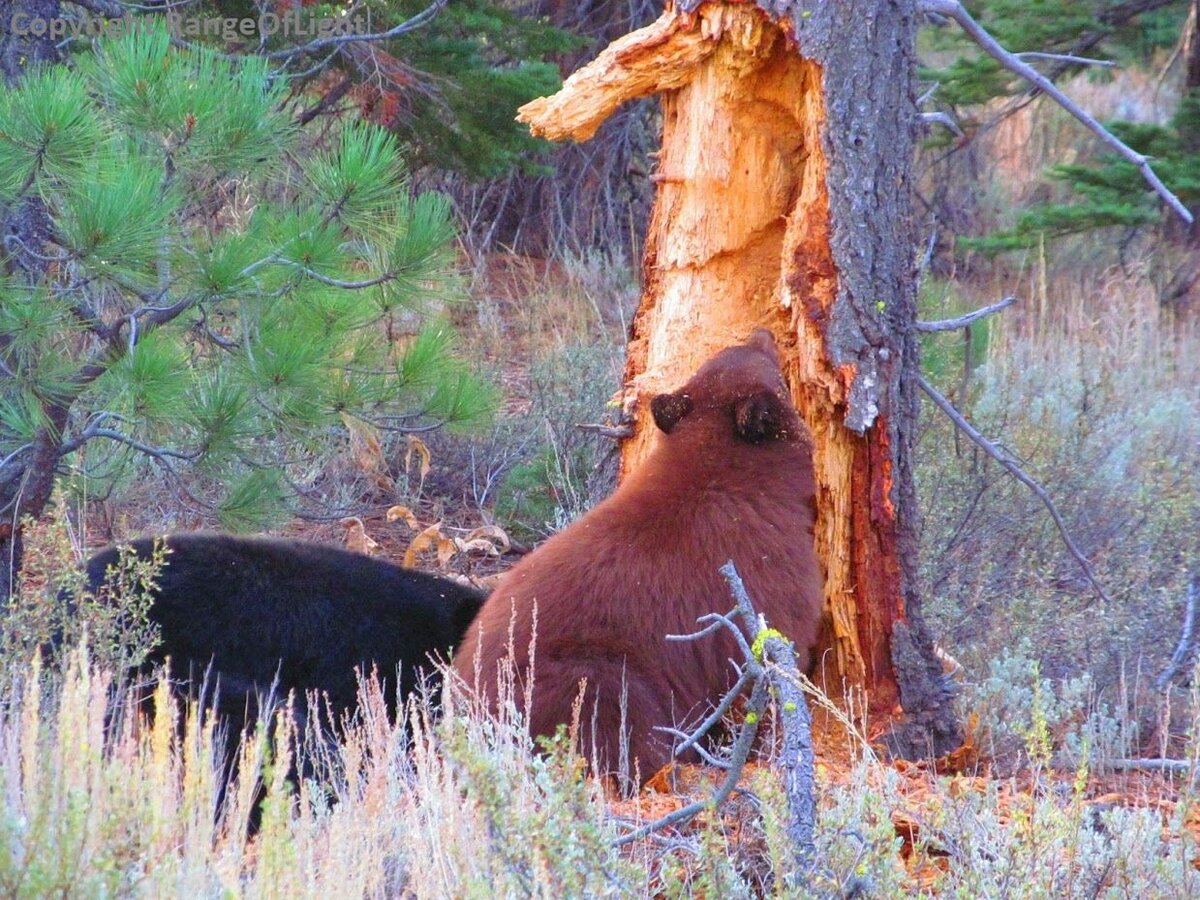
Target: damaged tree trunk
[784,202]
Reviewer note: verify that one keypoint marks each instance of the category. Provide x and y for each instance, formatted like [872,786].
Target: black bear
[730,477]
[301,616]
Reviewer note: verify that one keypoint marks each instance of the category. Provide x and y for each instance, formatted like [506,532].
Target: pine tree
[1102,192]
[208,291]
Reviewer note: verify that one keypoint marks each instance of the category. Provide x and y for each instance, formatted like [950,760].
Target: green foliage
[972,77]
[1106,192]
[485,60]
[215,286]
[547,488]
[1111,192]
[114,620]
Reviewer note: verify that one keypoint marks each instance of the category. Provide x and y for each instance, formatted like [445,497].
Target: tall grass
[97,806]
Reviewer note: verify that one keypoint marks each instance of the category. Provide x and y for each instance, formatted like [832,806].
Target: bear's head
[740,388]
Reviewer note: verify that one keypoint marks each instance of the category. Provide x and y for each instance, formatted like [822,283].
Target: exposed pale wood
[653,59]
[766,171]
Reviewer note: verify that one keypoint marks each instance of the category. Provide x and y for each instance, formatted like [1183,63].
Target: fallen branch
[1014,469]
[964,321]
[1189,638]
[769,669]
[796,759]
[1148,765]
[953,9]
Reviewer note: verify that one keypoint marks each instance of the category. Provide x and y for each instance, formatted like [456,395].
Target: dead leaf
[418,446]
[357,538]
[479,544]
[487,583]
[446,548]
[366,450]
[403,512]
[420,543]
[493,533]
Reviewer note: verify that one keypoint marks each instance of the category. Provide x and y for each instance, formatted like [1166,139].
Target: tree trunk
[20,47]
[784,201]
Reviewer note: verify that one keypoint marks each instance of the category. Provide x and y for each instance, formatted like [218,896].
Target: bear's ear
[760,417]
[668,409]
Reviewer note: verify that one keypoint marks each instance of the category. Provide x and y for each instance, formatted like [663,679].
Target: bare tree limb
[616,432]
[412,24]
[964,321]
[1188,638]
[770,670]
[1067,58]
[953,9]
[941,118]
[1014,469]
[797,759]
[1149,765]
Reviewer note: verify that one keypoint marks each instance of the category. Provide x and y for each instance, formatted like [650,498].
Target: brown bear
[730,477]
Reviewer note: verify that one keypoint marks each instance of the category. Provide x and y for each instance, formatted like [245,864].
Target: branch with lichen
[768,670]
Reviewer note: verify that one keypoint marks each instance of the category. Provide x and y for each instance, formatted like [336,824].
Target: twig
[1149,765]
[748,675]
[616,432]
[1187,638]
[1067,58]
[692,739]
[1018,473]
[796,759]
[964,321]
[953,9]
[941,118]
[741,753]
[423,17]
[770,669]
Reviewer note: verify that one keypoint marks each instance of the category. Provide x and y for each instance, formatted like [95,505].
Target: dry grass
[93,806]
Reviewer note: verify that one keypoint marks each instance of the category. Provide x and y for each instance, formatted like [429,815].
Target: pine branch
[953,9]
[1014,469]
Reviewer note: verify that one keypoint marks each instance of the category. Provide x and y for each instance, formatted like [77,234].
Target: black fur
[257,608]
[761,417]
[668,409]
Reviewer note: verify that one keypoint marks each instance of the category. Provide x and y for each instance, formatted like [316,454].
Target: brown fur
[729,478]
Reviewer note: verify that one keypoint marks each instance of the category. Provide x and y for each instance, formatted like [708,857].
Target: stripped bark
[784,202]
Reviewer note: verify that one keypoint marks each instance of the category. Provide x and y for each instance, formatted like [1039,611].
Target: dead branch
[616,432]
[796,759]
[1149,765]
[741,753]
[1189,639]
[1067,58]
[1014,469]
[769,670]
[660,57]
[941,118]
[953,9]
[422,18]
[964,321]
